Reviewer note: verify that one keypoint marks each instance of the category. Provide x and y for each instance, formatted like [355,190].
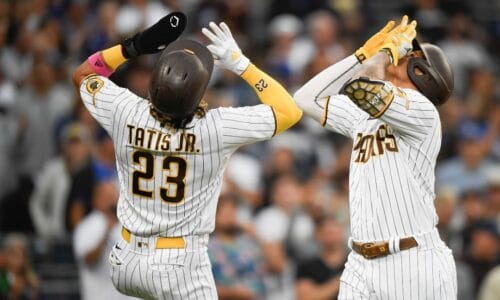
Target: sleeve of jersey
[340,114]
[246,125]
[100,96]
[412,115]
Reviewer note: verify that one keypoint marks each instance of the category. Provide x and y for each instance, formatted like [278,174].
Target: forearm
[375,67]
[102,62]
[329,81]
[234,293]
[149,41]
[270,92]
[311,97]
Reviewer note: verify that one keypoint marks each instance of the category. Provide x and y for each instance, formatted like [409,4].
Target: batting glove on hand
[374,44]
[399,41]
[156,37]
[226,52]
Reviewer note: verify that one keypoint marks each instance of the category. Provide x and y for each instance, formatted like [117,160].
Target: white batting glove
[226,52]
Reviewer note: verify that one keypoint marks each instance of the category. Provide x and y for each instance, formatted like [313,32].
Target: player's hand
[398,43]
[226,52]
[156,37]
[373,45]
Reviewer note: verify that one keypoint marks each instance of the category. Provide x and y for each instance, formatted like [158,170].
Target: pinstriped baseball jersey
[170,180]
[391,182]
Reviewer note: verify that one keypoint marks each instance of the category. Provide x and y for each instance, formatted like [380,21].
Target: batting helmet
[431,74]
[180,79]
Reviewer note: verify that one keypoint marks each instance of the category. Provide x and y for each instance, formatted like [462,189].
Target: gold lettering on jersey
[374,144]
[150,139]
[186,143]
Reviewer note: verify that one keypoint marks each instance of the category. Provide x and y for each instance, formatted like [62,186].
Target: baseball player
[385,98]
[171,152]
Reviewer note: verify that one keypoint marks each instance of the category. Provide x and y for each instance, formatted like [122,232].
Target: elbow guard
[372,96]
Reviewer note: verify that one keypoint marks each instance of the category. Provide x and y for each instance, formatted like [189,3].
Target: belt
[161,242]
[379,249]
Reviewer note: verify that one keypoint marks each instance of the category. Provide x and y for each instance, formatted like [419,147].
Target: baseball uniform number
[176,180]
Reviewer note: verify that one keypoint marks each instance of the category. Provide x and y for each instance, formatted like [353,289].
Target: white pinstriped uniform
[157,206]
[391,190]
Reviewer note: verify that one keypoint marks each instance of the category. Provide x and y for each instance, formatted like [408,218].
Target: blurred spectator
[103,162]
[485,251]
[40,105]
[463,51]
[286,234]
[323,30]
[468,170]
[18,280]
[102,31]
[93,238]
[138,14]
[319,278]
[473,211]
[300,8]
[56,204]
[244,178]
[284,30]
[431,19]
[17,60]
[74,29]
[445,204]
[493,196]
[138,78]
[237,262]
[490,289]
[8,138]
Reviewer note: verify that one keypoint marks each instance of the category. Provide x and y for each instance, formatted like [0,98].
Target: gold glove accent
[372,96]
[372,45]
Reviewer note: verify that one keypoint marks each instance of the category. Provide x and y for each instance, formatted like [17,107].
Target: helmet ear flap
[426,79]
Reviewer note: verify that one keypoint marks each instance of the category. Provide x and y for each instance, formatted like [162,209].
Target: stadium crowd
[283,215]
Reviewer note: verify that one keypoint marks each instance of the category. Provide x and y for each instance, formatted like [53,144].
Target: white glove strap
[241,65]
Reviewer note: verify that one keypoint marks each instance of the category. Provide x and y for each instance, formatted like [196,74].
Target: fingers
[212,37]
[388,27]
[404,21]
[218,32]
[226,29]
[410,30]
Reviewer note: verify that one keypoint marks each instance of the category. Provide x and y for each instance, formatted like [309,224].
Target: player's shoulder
[241,111]
[416,99]
[95,84]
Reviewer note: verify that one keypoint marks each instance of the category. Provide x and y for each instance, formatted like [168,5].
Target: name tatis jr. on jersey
[375,143]
[151,139]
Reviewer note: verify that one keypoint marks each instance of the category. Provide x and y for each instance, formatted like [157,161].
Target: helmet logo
[174,21]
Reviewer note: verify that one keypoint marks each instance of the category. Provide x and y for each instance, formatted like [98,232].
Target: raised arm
[378,92]
[315,95]
[229,56]
[149,41]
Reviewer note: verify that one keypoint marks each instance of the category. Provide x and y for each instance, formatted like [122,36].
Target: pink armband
[97,63]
